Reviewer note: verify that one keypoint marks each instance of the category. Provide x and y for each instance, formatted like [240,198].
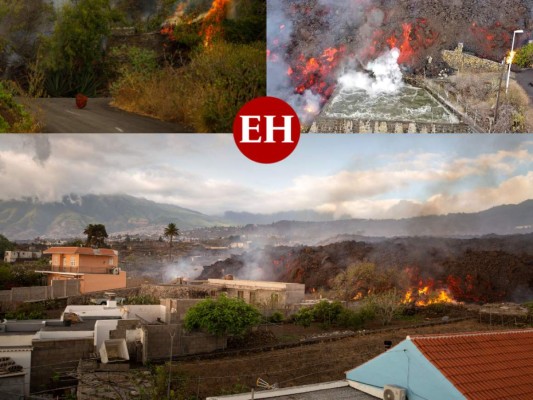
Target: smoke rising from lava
[386,75]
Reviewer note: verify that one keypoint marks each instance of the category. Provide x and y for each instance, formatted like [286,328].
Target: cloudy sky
[366,176]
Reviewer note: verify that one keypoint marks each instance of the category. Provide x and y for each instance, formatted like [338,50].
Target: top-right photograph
[403,66]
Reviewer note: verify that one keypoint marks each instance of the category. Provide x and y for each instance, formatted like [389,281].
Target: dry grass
[477,94]
[206,94]
[315,363]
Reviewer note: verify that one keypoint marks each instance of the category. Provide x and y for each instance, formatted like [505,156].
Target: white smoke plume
[385,76]
[185,267]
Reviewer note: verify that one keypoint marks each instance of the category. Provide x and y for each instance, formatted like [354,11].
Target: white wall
[102,329]
[149,313]
[17,348]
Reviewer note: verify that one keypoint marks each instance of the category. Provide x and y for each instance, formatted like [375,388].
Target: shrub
[524,56]
[326,312]
[276,318]
[223,316]
[304,317]
[206,94]
[13,117]
[141,299]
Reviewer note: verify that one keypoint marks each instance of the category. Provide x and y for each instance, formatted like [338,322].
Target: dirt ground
[321,362]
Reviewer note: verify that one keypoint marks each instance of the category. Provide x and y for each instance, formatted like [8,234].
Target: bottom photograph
[172,267]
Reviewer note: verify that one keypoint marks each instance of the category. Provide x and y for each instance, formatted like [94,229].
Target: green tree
[359,280]
[171,231]
[223,316]
[524,56]
[74,53]
[20,23]
[386,305]
[96,235]
[5,245]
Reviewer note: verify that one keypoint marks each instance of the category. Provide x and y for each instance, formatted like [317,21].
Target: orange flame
[425,295]
[213,19]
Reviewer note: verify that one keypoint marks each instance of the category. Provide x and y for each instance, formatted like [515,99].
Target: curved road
[60,115]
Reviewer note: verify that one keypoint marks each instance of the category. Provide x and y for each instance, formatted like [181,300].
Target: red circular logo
[266,130]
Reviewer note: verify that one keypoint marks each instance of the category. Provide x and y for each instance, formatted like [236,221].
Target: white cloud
[175,169]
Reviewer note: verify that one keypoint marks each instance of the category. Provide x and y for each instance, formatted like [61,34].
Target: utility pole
[511,57]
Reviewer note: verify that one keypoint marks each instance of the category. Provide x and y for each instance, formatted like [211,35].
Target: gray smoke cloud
[42,148]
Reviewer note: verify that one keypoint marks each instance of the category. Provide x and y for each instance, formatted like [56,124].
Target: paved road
[60,115]
[524,78]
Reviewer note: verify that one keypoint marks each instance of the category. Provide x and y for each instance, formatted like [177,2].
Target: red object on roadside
[81,100]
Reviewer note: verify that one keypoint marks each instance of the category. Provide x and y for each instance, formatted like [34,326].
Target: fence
[58,289]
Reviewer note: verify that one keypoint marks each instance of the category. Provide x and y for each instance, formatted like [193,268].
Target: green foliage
[17,276]
[230,75]
[249,26]
[524,56]
[171,230]
[386,305]
[96,235]
[74,52]
[133,59]
[28,311]
[360,279]
[304,317]
[276,317]
[13,116]
[333,314]
[5,245]
[206,94]
[178,384]
[326,312]
[141,299]
[223,316]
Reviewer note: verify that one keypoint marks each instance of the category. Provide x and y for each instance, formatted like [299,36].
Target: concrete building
[20,256]
[273,295]
[50,350]
[96,269]
[15,350]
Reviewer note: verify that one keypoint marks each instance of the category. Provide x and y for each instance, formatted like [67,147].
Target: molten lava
[414,38]
[316,74]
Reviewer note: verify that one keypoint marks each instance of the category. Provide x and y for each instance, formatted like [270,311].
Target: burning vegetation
[425,271]
[312,42]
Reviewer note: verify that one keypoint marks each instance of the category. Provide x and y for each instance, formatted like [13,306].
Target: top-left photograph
[129,66]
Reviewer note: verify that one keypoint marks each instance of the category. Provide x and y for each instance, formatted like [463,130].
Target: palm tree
[96,235]
[170,231]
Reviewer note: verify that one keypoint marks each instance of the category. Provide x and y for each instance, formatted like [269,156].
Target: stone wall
[174,291]
[464,62]
[53,356]
[58,289]
[156,342]
[345,125]
[86,298]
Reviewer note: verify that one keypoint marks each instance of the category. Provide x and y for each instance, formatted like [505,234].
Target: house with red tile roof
[492,365]
[95,269]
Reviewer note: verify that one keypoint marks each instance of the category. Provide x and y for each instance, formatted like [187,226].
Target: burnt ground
[321,362]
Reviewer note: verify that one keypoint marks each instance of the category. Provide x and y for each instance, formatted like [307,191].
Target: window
[72,261]
[240,294]
[252,297]
[274,298]
[111,261]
